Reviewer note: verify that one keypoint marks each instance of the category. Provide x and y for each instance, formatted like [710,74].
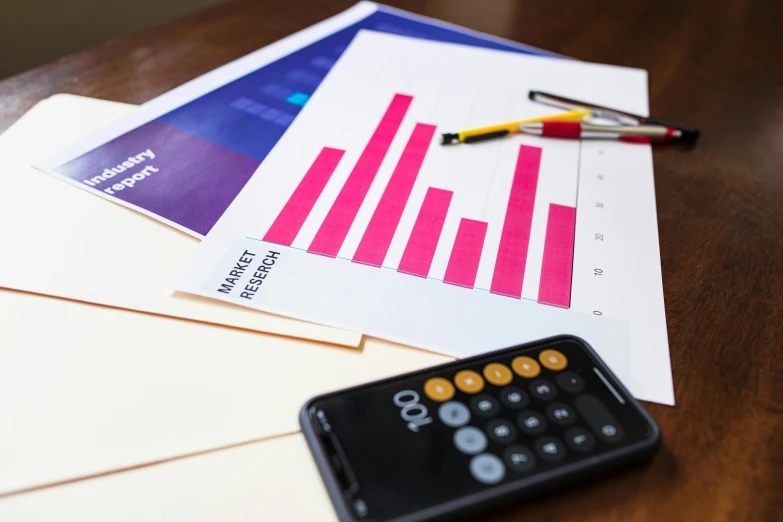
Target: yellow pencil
[496,131]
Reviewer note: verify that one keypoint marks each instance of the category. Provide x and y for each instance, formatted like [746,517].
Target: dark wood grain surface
[716,65]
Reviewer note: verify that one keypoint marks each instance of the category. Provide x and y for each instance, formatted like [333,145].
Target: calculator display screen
[442,435]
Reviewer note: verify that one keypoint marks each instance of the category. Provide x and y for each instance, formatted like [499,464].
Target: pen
[577,130]
[496,131]
[690,134]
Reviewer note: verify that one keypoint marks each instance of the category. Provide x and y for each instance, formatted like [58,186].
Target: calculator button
[454,414]
[598,418]
[526,367]
[487,468]
[498,374]
[531,422]
[469,381]
[560,414]
[553,360]
[439,389]
[543,390]
[484,405]
[519,458]
[514,397]
[361,507]
[470,440]
[501,431]
[551,449]
[570,382]
[580,439]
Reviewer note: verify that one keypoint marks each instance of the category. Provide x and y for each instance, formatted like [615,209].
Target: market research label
[245,270]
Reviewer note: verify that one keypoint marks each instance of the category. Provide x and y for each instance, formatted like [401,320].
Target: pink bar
[290,220]
[555,285]
[383,224]
[466,253]
[338,221]
[514,239]
[419,251]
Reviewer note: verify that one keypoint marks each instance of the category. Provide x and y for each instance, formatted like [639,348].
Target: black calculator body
[458,439]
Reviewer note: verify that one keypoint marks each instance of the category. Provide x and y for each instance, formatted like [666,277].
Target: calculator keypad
[519,459]
[599,419]
[532,422]
[468,381]
[454,414]
[439,389]
[580,439]
[501,431]
[470,440]
[498,374]
[570,382]
[526,367]
[550,448]
[514,398]
[561,414]
[515,416]
[485,405]
[487,468]
[543,389]
[553,360]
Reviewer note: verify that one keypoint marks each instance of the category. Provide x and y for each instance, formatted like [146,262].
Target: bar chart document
[360,219]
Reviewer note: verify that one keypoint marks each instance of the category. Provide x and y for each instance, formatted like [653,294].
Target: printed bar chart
[380,231]
[420,249]
[555,284]
[338,221]
[466,254]
[422,243]
[290,220]
[515,237]
[454,249]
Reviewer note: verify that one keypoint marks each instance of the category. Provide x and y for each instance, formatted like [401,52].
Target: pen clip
[598,111]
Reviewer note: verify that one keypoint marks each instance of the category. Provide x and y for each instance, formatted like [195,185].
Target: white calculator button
[454,414]
[487,468]
[470,440]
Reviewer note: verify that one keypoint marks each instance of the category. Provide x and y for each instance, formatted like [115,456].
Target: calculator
[458,439]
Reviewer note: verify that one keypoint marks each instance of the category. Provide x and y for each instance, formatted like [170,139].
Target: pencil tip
[449,138]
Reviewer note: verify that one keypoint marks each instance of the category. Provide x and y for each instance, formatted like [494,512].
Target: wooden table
[714,64]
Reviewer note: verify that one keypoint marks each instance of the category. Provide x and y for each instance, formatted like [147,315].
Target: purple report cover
[187,154]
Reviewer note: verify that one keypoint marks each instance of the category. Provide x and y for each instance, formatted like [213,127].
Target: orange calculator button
[439,389]
[469,381]
[526,367]
[553,360]
[498,374]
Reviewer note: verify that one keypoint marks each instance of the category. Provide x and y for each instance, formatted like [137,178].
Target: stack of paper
[271,481]
[139,402]
[102,366]
[85,389]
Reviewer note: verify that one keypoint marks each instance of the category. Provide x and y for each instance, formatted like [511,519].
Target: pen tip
[449,138]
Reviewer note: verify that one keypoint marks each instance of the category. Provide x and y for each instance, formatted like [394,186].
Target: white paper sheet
[61,241]
[275,480]
[86,389]
[615,281]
